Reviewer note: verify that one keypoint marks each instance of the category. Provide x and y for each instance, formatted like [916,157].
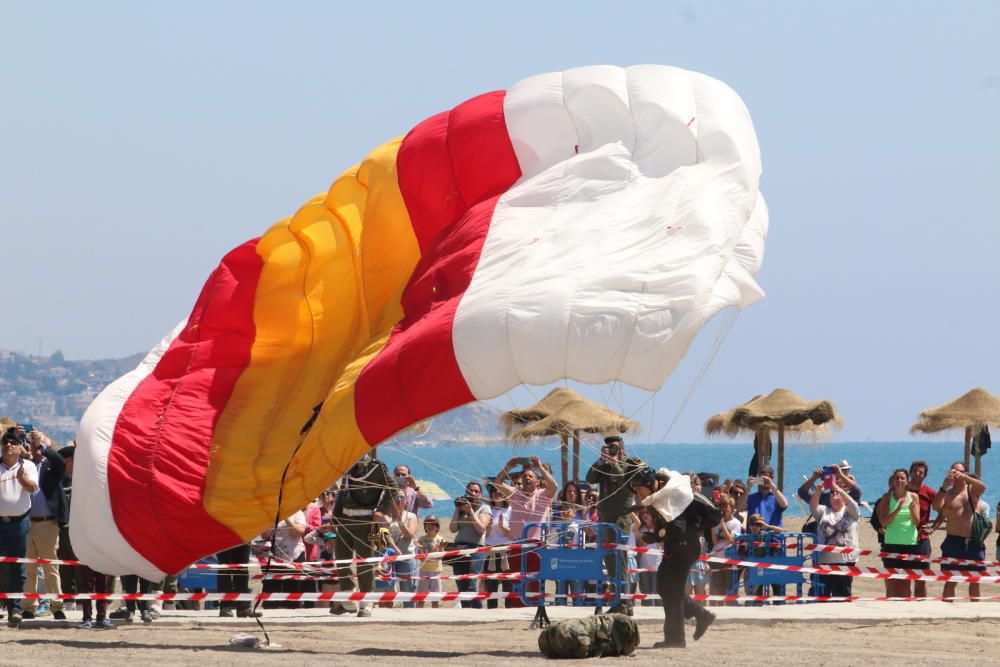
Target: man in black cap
[612,472]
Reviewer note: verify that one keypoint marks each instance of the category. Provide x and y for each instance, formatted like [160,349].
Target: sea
[452,465]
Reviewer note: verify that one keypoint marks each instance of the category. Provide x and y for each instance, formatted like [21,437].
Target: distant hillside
[52,393]
[473,423]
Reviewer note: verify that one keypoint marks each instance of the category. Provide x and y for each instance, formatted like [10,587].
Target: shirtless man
[956,501]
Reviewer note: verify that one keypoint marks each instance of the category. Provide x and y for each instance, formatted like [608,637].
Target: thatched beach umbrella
[566,414]
[973,411]
[782,411]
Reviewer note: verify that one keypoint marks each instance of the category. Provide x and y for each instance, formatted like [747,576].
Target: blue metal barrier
[574,566]
[769,548]
[200,580]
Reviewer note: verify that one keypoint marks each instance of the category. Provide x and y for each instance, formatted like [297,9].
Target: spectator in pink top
[529,503]
[531,500]
[314,519]
[416,499]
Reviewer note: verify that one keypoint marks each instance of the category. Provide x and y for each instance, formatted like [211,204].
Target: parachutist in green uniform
[612,472]
[367,488]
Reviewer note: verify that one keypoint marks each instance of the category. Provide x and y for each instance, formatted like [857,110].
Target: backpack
[590,637]
[707,513]
[981,526]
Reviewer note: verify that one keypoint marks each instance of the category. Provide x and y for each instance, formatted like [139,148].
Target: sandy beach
[894,642]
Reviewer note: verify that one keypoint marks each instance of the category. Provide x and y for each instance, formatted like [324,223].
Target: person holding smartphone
[839,474]
[767,500]
[416,499]
[899,512]
[836,525]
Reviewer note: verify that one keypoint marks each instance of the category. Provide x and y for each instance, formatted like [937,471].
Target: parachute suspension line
[454,474]
[277,512]
[620,397]
[531,391]
[493,407]
[727,326]
[604,397]
[652,397]
[652,410]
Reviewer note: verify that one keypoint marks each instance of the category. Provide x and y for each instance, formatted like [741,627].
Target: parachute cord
[652,408]
[727,326]
[652,397]
[277,513]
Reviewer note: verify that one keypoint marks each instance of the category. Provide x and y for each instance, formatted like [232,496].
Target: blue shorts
[955,546]
[698,575]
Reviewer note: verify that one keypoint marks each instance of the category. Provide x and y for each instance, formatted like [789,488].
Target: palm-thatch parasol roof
[782,409]
[564,413]
[578,416]
[974,409]
[555,399]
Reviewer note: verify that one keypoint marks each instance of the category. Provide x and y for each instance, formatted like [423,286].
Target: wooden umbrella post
[564,458]
[781,457]
[576,456]
[968,446]
[979,461]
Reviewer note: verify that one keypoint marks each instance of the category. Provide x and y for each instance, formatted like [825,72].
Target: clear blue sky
[141,141]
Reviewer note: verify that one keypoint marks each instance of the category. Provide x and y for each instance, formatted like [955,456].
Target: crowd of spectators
[36,492]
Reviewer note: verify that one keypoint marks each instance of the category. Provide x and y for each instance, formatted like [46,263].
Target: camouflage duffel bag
[590,637]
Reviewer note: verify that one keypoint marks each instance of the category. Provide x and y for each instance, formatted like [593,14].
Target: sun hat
[844,465]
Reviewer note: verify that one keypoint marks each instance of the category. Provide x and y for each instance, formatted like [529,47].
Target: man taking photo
[612,473]
[18,480]
[49,511]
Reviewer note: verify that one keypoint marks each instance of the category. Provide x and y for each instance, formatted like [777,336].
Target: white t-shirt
[286,545]
[735,528]
[406,546]
[838,529]
[495,535]
[14,498]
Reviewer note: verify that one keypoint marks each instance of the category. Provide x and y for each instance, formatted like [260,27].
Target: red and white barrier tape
[313,565]
[275,563]
[857,571]
[452,596]
[818,598]
[829,548]
[506,576]
[347,596]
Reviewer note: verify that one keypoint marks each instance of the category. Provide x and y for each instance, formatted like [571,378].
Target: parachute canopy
[581,225]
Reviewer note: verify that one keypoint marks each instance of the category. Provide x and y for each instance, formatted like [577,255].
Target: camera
[462,500]
[614,449]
